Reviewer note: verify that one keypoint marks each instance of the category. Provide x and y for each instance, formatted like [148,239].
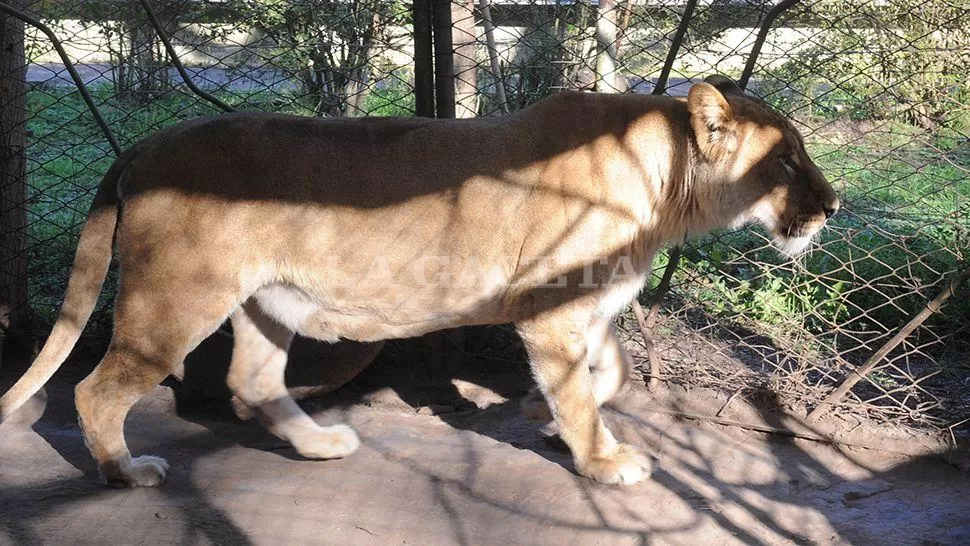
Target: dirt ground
[453,461]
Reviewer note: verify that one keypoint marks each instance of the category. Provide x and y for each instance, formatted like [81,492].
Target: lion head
[754,161]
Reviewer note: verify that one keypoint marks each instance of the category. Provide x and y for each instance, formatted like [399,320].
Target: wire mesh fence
[878,89]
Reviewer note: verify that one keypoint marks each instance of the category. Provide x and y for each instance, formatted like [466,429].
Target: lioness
[370,229]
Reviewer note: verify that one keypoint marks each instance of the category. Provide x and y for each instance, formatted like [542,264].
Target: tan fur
[380,228]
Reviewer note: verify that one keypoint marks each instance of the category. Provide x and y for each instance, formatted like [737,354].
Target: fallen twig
[860,373]
[648,322]
[814,437]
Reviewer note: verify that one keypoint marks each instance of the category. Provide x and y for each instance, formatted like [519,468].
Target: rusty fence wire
[878,88]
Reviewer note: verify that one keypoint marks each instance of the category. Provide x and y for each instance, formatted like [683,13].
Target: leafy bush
[328,46]
[903,60]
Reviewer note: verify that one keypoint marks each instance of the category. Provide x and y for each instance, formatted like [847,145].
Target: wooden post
[14,309]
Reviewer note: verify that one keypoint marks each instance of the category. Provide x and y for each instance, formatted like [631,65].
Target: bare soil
[447,458]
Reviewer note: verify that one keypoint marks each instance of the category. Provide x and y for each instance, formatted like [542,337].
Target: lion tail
[91,261]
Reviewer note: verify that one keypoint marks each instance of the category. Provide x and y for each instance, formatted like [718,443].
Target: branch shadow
[58,427]
[688,470]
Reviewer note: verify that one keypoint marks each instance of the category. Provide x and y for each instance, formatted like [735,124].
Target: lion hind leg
[143,351]
[103,400]
[256,377]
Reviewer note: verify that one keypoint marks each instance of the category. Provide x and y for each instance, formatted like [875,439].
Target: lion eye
[788,160]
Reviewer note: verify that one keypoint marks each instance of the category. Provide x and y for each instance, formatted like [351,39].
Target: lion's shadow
[464,377]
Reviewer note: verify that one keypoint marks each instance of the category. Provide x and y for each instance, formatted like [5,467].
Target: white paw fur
[144,471]
[626,466]
[327,442]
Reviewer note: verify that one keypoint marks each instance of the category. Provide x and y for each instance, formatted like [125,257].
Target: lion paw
[626,466]
[242,411]
[535,408]
[328,443]
[144,471]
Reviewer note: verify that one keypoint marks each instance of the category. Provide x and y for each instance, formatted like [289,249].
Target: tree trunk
[466,61]
[14,311]
[606,81]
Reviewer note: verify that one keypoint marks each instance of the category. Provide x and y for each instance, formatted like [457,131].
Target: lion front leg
[557,345]
[609,367]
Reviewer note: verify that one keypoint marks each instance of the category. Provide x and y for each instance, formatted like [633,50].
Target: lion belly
[364,320]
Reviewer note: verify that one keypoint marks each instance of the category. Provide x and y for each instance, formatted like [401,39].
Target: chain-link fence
[878,88]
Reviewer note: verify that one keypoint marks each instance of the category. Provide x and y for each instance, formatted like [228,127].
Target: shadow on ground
[476,472]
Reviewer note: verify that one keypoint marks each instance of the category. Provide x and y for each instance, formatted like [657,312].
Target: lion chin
[793,246]
[791,243]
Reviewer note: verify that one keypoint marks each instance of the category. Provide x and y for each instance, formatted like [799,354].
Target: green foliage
[757,285]
[903,60]
[329,46]
[394,97]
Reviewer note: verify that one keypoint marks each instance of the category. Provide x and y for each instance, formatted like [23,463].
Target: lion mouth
[797,237]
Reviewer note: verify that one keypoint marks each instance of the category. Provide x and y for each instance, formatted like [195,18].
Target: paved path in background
[208,77]
[237,80]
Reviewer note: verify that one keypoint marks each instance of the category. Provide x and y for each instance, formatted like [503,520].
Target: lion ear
[725,85]
[713,121]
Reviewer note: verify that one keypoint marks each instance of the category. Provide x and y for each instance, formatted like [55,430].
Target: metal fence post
[423,60]
[444,59]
